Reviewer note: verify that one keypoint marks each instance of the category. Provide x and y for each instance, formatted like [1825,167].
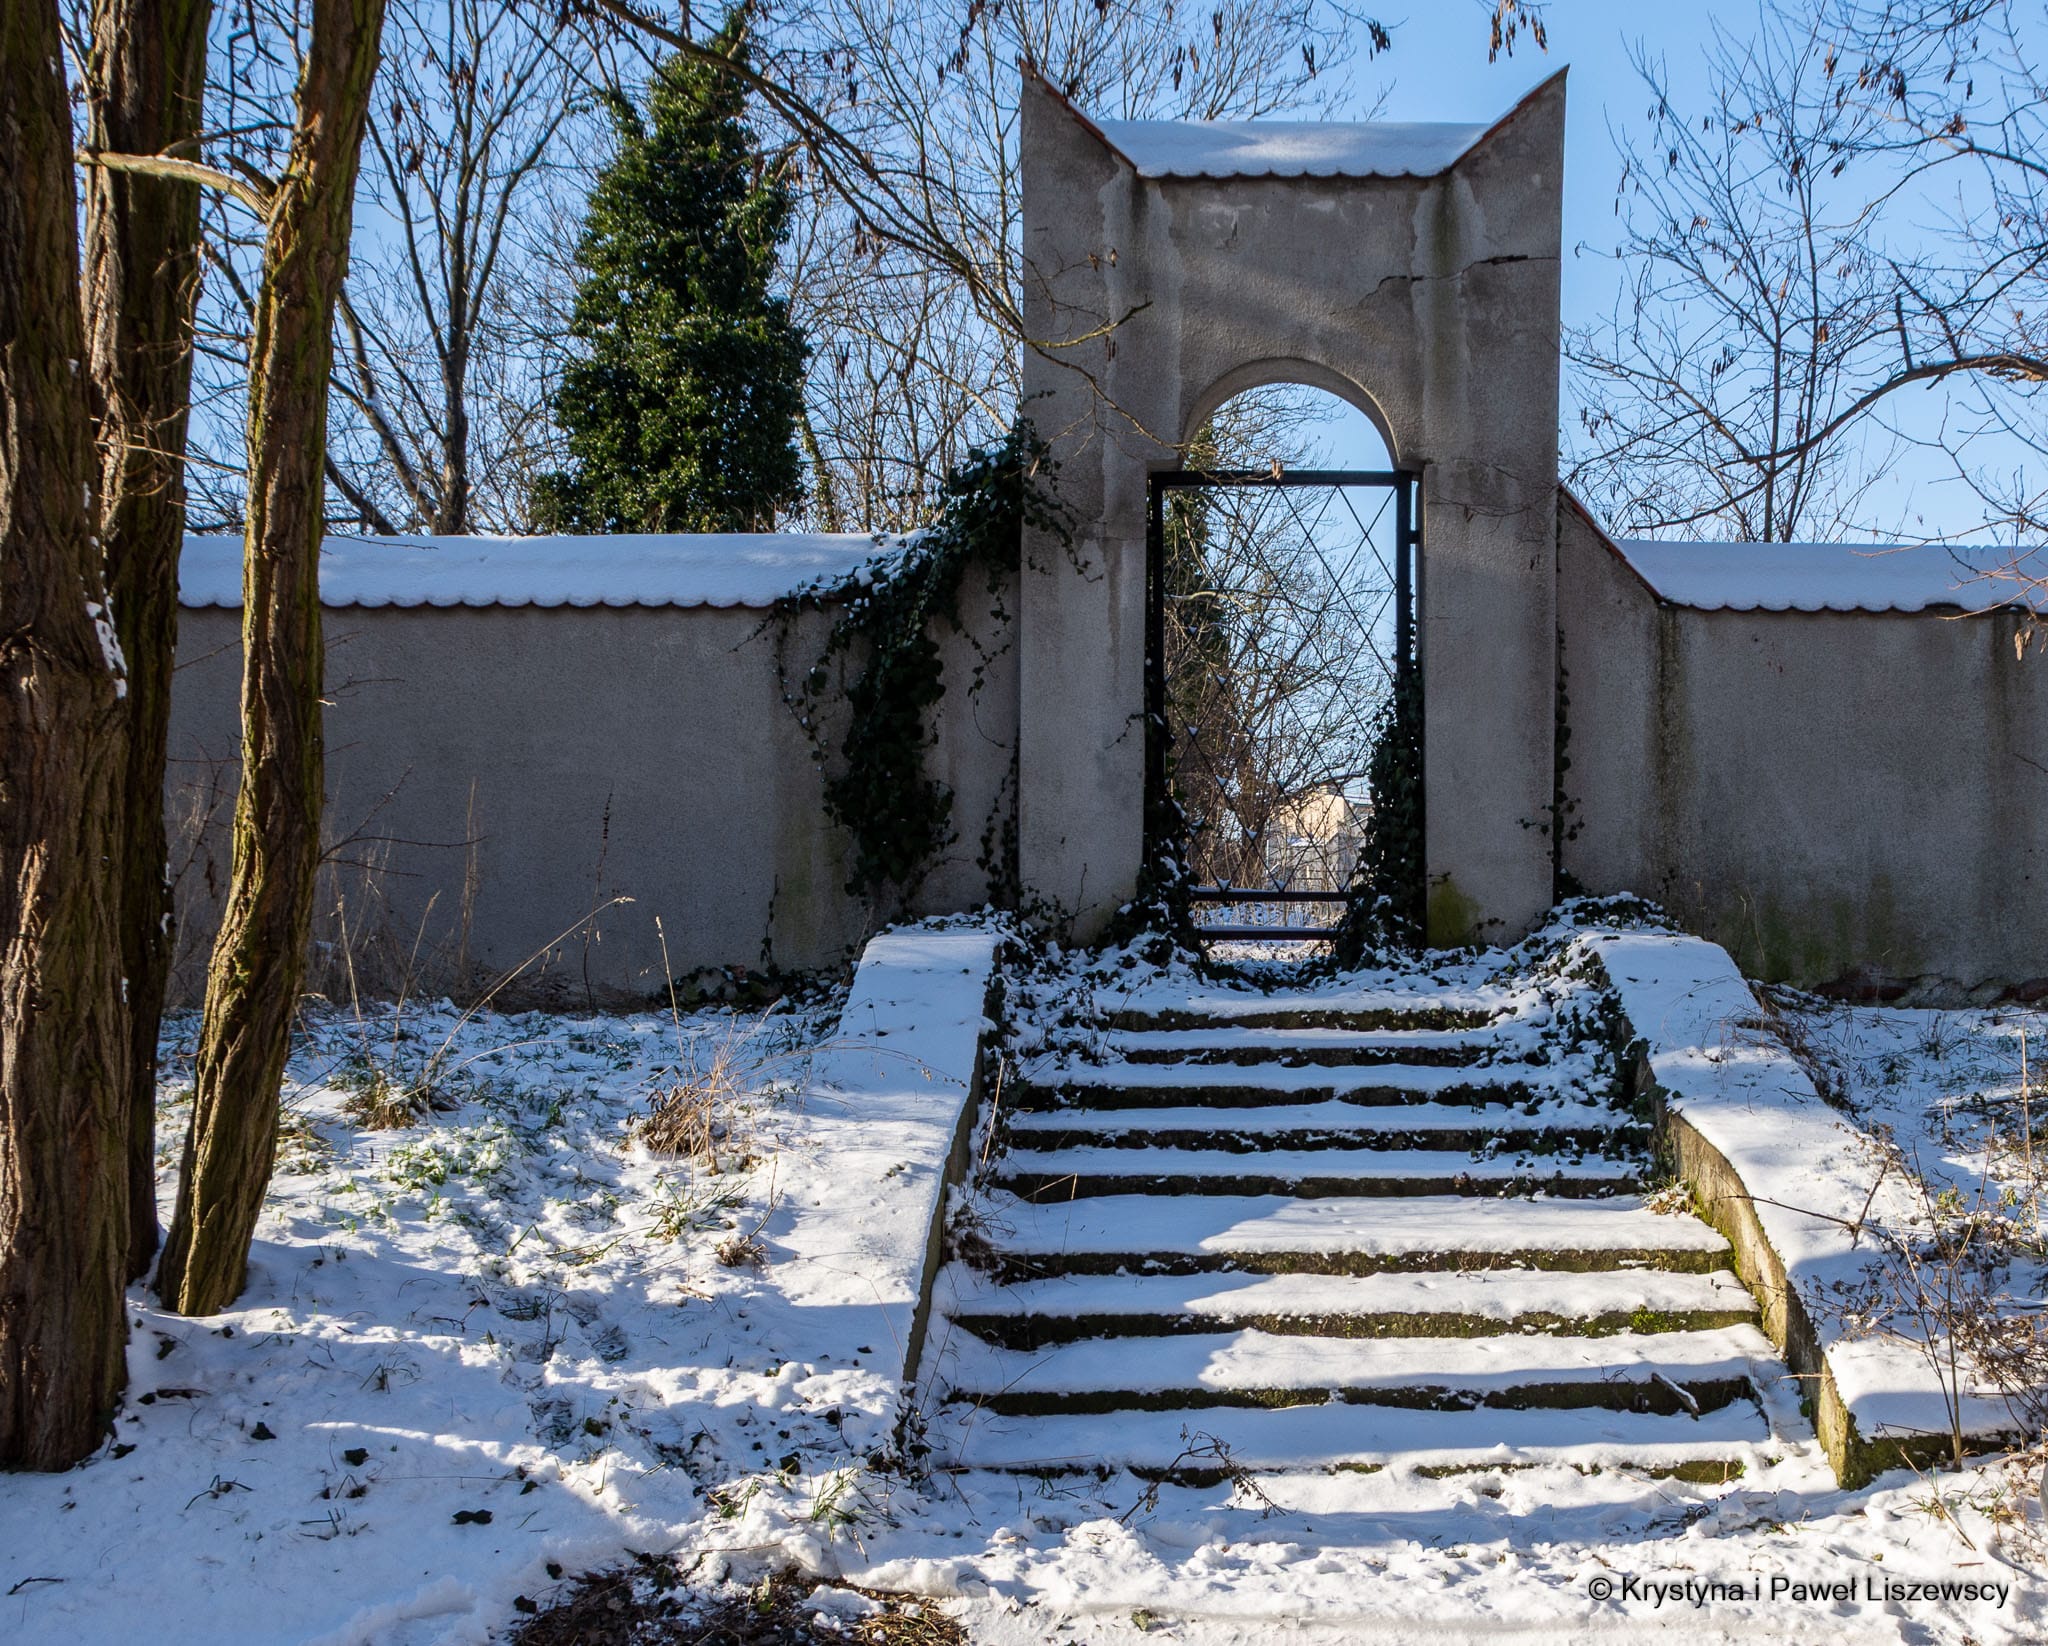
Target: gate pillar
[1412,270]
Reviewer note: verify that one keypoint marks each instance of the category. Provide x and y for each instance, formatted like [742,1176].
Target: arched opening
[1283,656]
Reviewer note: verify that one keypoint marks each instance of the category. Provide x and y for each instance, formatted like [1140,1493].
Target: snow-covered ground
[506,1342]
[1955,1102]
[1954,1089]
[509,1344]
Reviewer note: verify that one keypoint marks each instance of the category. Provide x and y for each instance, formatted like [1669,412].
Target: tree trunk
[259,958]
[451,518]
[63,1035]
[144,86]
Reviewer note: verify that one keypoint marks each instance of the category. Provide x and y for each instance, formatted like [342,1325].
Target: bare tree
[259,957]
[1278,649]
[912,359]
[63,1031]
[1856,211]
[1755,290]
[434,366]
[1963,94]
[145,77]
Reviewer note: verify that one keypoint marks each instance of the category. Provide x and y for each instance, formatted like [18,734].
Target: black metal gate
[1281,623]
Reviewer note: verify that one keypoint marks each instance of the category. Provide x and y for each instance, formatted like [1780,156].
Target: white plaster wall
[1836,798]
[495,773]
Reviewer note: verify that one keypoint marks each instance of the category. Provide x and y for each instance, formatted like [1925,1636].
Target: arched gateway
[1410,269]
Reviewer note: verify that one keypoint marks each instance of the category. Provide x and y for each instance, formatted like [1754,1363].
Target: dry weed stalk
[392,1097]
[696,1115]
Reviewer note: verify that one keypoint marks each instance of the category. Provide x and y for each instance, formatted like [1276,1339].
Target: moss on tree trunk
[259,958]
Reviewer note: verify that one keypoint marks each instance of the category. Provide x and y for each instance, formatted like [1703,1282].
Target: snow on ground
[1955,1102]
[1947,1086]
[502,1346]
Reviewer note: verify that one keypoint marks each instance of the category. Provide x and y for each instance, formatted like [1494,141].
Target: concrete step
[1069,1173]
[1427,1048]
[1066,1081]
[1398,1005]
[1304,1012]
[1545,1127]
[1218,1445]
[1030,1314]
[1671,1373]
[1504,1504]
[1278,1234]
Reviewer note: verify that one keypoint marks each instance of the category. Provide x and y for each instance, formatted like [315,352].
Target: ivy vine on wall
[1385,905]
[885,645]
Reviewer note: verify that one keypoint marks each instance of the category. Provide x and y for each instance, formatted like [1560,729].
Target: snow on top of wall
[1289,148]
[1837,577]
[629,569]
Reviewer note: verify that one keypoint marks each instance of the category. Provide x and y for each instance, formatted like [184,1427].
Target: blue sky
[1438,70]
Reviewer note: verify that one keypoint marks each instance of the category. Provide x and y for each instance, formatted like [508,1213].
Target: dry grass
[648,1605]
[742,1251]
[382,1104]
[697,1115]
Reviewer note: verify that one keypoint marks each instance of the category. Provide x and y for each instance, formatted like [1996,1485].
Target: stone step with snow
[1580,1126]
[1419,1303]
[1306,1012]
[1665,1372]
[1430,1048]
[1422,1003]
[1278,1233]
[1276,1236]
[1329,1114]
[1059,1174]
[1340,1435]
[1142,1085]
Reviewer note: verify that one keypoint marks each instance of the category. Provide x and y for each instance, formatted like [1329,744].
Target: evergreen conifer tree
[682,415]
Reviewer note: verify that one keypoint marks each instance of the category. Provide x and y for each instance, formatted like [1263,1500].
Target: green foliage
[1565,822]
[1386,901]
[899,815]
[682,414]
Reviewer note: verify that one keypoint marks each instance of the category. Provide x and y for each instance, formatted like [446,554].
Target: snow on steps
[1302,1232]
[1277,1234]
[1346,1436]
[1427,1003]
[1062,1173]
[1661,1371]
[1328,1117]
[1139,1085]
[1339,1047]
[1405,1303]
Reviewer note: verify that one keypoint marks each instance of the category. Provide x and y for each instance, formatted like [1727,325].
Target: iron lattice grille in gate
[1281,610]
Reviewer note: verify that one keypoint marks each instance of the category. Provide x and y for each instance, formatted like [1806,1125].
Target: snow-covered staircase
[1231,1235]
